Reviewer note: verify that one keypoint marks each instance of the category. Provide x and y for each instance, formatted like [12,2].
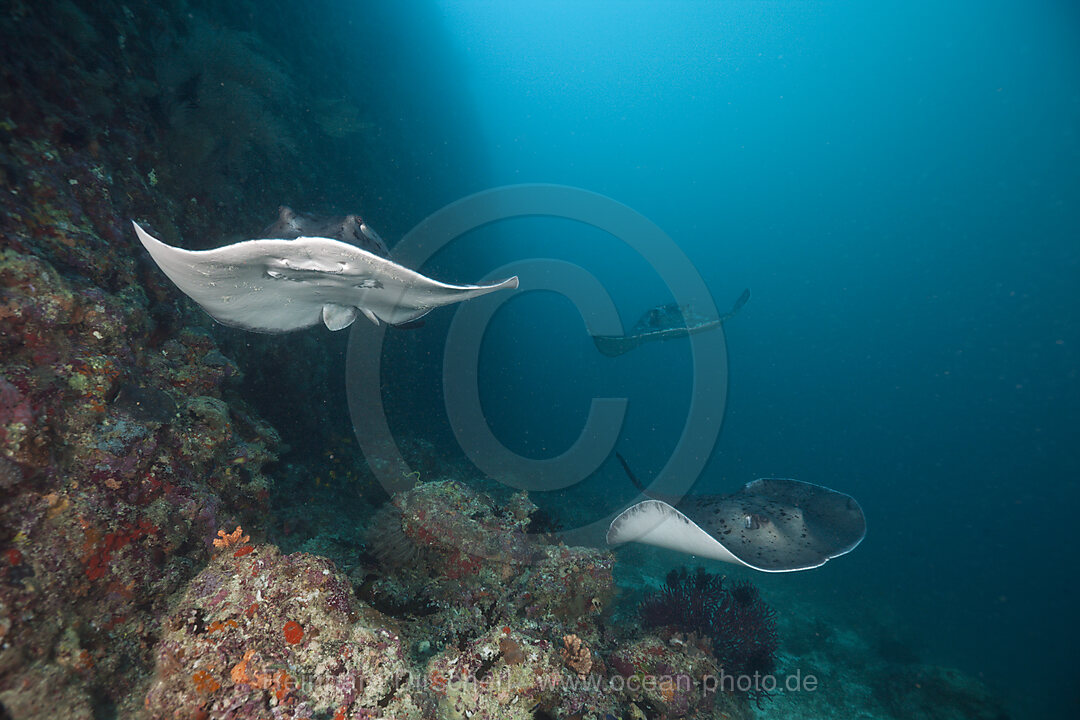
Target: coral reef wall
[132,426]
[202,118]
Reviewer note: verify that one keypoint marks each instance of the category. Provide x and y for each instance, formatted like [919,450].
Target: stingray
[304,273]
[770,524]
[347,228]
[664,322]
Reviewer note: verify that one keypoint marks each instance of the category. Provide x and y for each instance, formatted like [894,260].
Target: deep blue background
[898,183]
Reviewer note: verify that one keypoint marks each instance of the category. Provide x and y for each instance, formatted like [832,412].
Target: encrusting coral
[510,625]
[576,655]
[236,537]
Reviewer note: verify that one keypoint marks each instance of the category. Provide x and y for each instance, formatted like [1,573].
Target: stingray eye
[274,274]
[369,233]
[754,521]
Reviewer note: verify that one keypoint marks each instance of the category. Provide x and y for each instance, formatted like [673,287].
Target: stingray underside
[277,285]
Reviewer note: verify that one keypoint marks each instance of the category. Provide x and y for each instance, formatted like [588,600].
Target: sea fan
[741,625]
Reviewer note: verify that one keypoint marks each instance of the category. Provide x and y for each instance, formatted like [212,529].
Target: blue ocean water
[897,182]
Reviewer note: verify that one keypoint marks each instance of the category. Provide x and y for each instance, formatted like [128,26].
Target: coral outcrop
[507,623]
[452,551]
[512,631]
[259,634]
[675,677]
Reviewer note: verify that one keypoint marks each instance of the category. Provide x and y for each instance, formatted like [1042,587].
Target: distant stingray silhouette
[664,322]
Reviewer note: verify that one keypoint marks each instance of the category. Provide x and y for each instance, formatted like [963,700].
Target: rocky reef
[127,434]
[118,462]
[258,633]
[457,611]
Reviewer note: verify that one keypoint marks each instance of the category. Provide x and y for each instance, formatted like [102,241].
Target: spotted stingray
[770,524]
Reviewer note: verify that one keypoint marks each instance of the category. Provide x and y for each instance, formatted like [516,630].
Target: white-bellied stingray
[291,281]
[664,322]
[770,524]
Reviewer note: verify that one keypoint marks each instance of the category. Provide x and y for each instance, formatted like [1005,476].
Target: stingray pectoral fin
[406,295]
[783,524]
[338,317]
[779,524]
[243,285]
[654,522]
[773,525]
[615,345]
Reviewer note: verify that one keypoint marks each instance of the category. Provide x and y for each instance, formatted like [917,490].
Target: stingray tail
[741,301]
[737,306]
[630,473]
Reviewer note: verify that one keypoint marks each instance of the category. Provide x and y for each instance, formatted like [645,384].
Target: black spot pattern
[346,228]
